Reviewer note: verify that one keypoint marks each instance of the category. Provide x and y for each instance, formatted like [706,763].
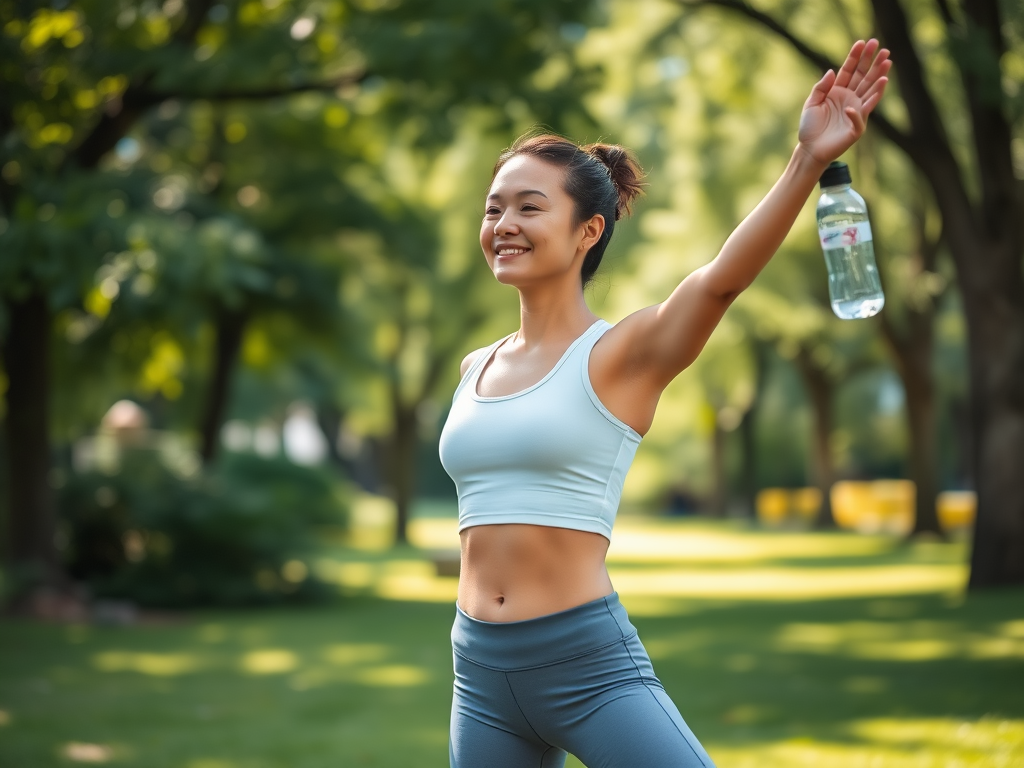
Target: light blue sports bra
[551,454]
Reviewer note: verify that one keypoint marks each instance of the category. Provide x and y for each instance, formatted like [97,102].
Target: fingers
[868,79]
[871,103]
[821,89]
[863,63]
[849,67]
[855,117]
[873,95]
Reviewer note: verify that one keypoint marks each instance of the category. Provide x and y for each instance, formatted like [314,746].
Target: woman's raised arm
[662,340]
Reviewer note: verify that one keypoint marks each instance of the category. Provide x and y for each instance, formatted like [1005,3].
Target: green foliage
[232,536]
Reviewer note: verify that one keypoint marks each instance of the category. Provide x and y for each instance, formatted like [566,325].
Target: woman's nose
[506,224]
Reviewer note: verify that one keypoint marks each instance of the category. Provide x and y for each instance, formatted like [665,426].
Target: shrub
[239,534]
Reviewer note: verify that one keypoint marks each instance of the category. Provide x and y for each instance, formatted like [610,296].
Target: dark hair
[600,178]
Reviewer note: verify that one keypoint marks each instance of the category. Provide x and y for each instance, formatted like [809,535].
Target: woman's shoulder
[468,360]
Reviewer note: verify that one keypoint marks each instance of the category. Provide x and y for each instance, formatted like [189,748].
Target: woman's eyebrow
[524,193]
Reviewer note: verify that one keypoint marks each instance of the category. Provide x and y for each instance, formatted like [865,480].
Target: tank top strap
[478,363]
[589,339]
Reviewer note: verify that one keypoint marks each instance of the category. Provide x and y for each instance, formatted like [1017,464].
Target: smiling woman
[544,426]
[598,180]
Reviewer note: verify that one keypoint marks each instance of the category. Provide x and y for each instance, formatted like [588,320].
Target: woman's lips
[510,252]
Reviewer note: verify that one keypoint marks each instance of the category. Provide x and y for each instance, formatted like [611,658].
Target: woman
[544,425]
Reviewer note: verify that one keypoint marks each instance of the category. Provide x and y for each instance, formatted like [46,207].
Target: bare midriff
[515,572]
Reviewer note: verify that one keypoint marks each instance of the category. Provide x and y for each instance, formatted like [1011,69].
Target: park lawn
[781,649]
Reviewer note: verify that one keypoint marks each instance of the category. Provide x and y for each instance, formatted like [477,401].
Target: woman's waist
[514,572]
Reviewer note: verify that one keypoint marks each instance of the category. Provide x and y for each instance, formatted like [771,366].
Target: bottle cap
[837,173]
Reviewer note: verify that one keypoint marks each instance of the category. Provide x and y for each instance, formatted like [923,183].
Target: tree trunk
[996,332]
[820,390]
[748,433]
[404,439]
[920,393]
[720,491]
[32,525]
[986,239]
[912,352]
[230,328]
[912,348]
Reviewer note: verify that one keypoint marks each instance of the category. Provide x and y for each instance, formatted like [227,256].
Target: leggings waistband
[549,639]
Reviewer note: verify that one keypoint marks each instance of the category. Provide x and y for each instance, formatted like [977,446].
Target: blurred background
[238,271]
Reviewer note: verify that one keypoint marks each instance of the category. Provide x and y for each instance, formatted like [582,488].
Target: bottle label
[845,235]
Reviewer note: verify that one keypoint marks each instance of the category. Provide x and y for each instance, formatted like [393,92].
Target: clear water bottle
[845,233]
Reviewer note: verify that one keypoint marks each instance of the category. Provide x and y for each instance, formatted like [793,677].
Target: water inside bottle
[853,283]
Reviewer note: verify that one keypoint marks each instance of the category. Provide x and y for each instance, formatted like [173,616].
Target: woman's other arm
[658,342]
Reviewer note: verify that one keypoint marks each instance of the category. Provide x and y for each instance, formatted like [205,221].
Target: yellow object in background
[772,506]
[957,509]
[879,506]
[805,503]
[876,506]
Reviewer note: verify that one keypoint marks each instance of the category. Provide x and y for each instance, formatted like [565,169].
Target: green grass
[780,650]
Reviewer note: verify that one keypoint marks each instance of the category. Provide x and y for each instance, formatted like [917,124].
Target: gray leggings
[579,681]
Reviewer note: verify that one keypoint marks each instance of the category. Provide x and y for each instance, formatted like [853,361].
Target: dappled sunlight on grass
[781,650]
[694,541]
[393,676]
[159,664]
[774,584]
[404,579]
[269,661]
[435,533]
[80,752]
[900,641]
[992,735]
[359,663]
[890,742]
[806,753]
[347,654]
[656,563]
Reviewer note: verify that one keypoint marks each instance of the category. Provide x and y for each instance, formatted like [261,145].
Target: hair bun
[625,172]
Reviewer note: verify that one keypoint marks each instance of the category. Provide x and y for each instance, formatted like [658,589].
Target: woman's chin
[507,276]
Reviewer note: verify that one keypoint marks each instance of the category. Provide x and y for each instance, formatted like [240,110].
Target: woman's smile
[508,250]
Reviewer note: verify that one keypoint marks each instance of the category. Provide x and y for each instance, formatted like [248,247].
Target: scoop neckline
[488,399]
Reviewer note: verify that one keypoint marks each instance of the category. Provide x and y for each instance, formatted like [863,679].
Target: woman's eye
[530,207]
[491,212]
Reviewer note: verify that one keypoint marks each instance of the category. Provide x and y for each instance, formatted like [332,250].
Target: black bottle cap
[837,173]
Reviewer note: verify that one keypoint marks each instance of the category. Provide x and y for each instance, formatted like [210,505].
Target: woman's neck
[552,314]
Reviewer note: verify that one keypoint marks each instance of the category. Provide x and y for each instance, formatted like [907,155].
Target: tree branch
[992,132]
[945,12]
[820,60]
[932,151]
[148,98]
[122,114]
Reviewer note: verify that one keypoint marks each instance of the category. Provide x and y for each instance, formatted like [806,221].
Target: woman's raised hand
[837,110]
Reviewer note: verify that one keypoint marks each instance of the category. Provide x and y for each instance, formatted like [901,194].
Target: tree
[983,225]
[78,81]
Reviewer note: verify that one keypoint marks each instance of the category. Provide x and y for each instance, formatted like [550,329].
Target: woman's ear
[592,229]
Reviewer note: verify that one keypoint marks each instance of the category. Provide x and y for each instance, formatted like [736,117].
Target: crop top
[551,454]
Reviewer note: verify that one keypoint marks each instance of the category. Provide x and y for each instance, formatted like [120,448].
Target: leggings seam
[643,682]
[544,753]
[553,663]
[618,627]
[525,718]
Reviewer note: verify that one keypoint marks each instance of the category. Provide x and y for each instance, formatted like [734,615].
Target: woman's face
[527,233]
